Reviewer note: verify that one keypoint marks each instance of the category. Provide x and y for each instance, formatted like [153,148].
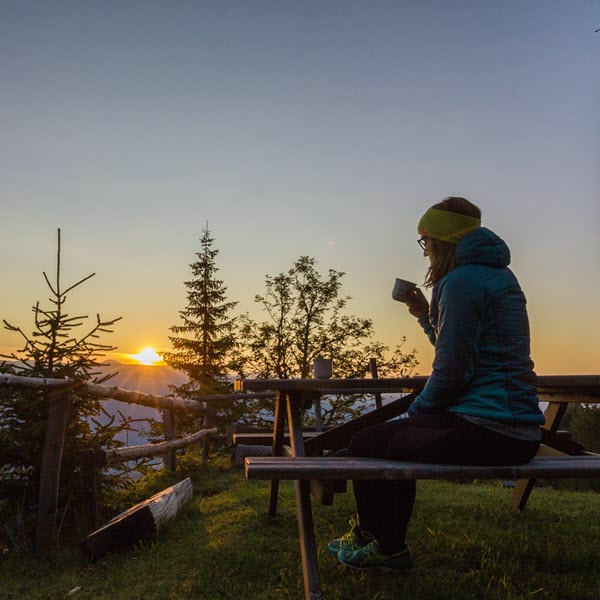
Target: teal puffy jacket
[479,326]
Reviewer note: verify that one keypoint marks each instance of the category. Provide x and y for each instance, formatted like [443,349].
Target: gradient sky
[313,128]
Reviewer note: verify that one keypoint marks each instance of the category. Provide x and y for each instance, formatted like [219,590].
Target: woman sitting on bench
[479,406]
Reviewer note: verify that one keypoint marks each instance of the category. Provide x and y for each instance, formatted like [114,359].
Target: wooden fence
[58,393]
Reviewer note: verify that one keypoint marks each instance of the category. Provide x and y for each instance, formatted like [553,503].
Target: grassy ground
[465,542]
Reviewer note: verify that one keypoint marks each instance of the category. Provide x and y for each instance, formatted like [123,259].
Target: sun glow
[148,356]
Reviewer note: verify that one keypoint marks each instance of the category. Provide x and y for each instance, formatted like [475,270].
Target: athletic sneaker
[369,558]
[353,540]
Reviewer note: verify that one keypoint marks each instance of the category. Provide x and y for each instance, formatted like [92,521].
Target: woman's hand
[417,305]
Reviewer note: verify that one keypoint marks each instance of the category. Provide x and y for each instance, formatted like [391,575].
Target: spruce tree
[204,341]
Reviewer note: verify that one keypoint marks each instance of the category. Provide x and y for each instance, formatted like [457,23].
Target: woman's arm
[419,307]
[455,348]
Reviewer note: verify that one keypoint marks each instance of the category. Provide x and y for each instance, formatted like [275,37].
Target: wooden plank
[140,523]
[54,440]
[242,451]
[553,416]
[308,544]
[148,450]
[294,403]
[375,375]
[586,385]
[264,439]
[333,386]
[561,443]
[278,440]
[521,493]
[170,457]
[39,382]
[318,415]
[154,401]
[88,480]
[572,467]
[574,397]
[322,490]
[339,437]
[224,397]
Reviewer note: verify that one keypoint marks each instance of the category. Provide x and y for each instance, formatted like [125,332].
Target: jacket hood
[482,247]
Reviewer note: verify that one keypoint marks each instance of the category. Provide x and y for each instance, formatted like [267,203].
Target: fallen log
[140,523]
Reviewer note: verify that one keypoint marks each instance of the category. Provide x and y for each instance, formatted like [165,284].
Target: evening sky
[298,128]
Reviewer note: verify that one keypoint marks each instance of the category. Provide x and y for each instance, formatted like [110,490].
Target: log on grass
[140,523]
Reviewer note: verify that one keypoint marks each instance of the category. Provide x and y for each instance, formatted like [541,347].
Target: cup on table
[322,368]
[402,290]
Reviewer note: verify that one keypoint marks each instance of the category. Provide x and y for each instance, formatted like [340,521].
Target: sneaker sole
[376,569]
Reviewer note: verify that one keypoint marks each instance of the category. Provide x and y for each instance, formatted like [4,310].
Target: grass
[465,542]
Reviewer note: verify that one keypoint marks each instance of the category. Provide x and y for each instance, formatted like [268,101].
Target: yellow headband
[447,226]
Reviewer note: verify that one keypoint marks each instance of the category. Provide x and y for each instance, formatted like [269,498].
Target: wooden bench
[304,469]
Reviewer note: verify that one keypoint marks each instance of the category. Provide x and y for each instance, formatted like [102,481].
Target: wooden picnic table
[295,395]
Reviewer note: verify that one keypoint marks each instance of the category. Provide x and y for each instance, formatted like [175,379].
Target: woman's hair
[440,253]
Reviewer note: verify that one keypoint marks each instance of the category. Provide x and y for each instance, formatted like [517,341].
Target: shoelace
[371,551]
[348,537]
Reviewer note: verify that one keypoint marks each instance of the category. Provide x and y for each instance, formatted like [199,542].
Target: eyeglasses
[423,243]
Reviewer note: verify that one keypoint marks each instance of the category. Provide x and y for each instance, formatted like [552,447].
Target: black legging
[384,507]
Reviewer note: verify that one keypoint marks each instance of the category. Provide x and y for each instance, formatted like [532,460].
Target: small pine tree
[203,343]
[54,351]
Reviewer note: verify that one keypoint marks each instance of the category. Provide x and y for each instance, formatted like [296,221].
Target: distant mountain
[137,378]
[142,378]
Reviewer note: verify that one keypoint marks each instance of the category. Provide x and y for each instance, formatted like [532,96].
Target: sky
[318,128]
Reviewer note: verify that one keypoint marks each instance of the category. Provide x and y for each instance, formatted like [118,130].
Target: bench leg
[308,544]
[278,430]
[520,495]
[553,415]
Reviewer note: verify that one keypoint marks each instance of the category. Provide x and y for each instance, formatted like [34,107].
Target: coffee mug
[322,368]
[403,289]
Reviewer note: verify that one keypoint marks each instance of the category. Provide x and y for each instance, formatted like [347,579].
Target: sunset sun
[148,356]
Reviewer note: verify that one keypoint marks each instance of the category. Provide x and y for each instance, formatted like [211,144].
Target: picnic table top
[586,385]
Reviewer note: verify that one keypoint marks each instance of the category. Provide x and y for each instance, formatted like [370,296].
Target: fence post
[169,457]
[54,441]
[209,417]
[374,375]
[88,477]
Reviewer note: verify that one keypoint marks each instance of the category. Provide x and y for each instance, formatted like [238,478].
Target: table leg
[278,430]
[308,545]
[553,415]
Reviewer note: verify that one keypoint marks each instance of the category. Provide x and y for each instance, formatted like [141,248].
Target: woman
[479,406]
